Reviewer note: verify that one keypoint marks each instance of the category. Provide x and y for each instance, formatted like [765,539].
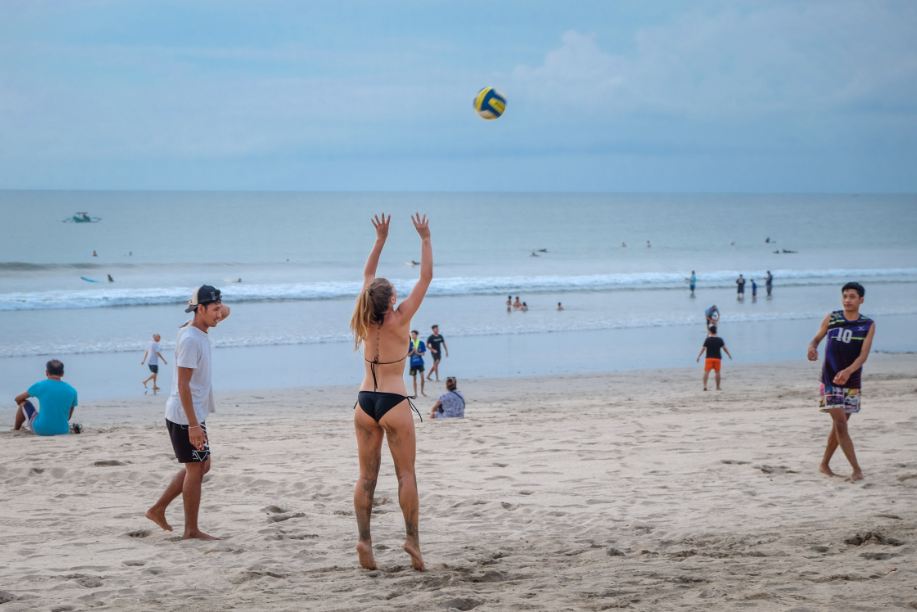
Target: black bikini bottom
[376,403]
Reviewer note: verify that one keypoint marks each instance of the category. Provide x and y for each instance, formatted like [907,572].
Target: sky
[602,96]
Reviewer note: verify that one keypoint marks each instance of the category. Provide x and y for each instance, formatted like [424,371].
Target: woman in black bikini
[383,406]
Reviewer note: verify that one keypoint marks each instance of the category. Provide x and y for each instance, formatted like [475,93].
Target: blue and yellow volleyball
[489,103]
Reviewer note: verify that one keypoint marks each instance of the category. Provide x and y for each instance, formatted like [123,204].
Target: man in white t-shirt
[152,357]
[187,408]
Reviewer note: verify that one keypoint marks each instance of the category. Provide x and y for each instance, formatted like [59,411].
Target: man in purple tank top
[850,337]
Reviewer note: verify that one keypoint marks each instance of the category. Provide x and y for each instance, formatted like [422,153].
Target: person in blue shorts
[849,335]
[56,402]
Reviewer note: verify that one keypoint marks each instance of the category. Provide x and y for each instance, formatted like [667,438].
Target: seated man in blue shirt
[451,404]
[56,401]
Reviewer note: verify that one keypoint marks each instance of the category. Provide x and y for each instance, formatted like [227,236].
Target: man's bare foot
[158,517]
[198,535]
[824,469]
[416,560]
[857,475]
[365,554]
[705,388]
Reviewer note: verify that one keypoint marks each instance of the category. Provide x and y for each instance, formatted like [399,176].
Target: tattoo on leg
[410,527]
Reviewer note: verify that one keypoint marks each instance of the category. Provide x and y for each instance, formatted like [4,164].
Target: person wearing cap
[451,404]
[187,408]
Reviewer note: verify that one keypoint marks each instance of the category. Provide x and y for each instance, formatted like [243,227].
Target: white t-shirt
[192,350]
[153,354]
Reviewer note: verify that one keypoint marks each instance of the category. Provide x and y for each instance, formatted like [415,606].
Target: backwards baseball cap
[203,296]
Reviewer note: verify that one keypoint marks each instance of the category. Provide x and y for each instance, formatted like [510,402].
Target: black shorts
[415,370]
[154,368]
[181,444]
[436,356]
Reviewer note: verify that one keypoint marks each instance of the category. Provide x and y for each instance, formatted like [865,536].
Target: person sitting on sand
[187,409]
[384,407]
[56,402]
[451,404]
[152,356]
[714,359]
[850,337]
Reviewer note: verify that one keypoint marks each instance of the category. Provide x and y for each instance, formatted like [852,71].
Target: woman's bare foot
[857,475]
[365,554]
[198,535]
[824,469]
[159,517]
[413,549]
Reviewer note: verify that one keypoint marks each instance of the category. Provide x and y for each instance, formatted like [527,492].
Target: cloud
[743,60]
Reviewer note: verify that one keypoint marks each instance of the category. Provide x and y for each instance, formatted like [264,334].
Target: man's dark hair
[856,287]
[435,325]
[414,331]
[55,367]
[713,329]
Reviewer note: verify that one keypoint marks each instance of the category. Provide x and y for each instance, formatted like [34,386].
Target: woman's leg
[399,429]
[369,449]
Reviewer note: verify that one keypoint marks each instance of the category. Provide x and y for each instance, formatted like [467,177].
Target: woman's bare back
[385,351]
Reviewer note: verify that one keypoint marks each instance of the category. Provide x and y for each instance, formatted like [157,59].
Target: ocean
[290,265]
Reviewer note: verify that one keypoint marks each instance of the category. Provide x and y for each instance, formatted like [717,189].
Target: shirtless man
[383,408]
[850,337]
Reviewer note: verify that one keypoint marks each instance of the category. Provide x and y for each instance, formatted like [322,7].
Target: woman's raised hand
[422,225]
[380,222]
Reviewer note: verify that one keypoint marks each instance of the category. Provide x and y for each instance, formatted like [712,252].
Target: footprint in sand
[872,536]
[36,471]
[6,597]
[108,463]
[734,462]
[138,533]
[461,603]
[134,563]
[279,518]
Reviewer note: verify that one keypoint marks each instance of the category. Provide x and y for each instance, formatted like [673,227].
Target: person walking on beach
[56,402]
[740,288]
[187,409]
[713,345]
[754,290]
[416,350]
[151,357]
[713,316]
[850,337]
[436,344]
[692,282]
[384,407]
[769,283]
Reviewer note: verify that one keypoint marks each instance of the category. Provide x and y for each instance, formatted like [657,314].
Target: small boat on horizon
[82,217]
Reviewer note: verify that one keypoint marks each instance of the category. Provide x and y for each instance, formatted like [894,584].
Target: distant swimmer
[788,251]
[94,254]
[517,304]
[534,254]
[692,282]
[414,262]
[110,279]
[542,250]
[769,283]
[623,245]
[754,290]
[509,303]
[649,244]
[712,346]
[767,240]
[713,316]
[559,306]
[525,307]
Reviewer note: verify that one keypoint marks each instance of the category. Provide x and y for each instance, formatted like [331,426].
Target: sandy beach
[634,490]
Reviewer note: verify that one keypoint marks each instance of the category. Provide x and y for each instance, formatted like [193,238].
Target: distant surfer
[110,278]
[94,254]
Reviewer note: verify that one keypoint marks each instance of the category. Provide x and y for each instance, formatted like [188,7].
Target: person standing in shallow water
[383,408]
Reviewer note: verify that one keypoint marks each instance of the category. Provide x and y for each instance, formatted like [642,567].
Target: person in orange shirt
[713,345]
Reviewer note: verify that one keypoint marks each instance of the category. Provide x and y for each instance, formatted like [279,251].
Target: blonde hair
[372,304]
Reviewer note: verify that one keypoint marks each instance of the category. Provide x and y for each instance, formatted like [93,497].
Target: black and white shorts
[181,444]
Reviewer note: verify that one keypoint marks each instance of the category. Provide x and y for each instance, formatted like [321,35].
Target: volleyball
[489,103]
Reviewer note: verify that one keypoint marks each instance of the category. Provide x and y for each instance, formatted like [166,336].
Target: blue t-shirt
[55,398]
[421,348]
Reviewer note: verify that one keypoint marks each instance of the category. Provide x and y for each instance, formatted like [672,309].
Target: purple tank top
[844,343]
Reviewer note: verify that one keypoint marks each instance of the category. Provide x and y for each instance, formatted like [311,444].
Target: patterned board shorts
[833,397]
